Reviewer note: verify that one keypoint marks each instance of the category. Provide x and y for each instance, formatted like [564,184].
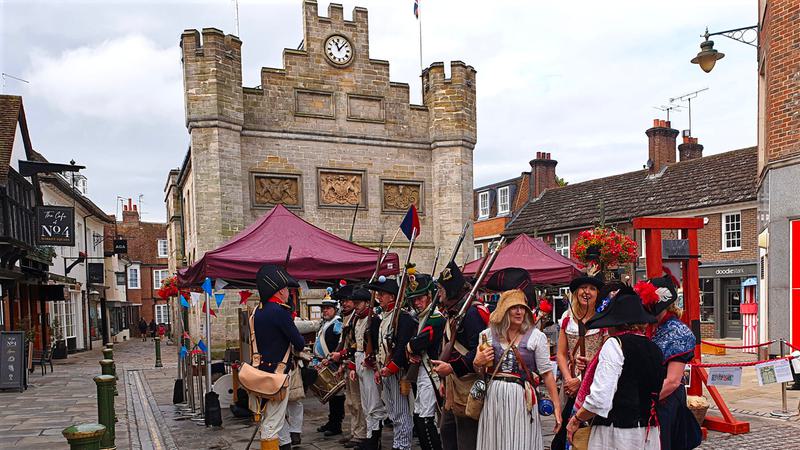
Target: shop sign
[94,273]
[12,360]
[55,225]
[729,271]
[120,246]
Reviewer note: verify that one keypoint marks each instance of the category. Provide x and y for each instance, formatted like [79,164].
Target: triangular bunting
[219,297]
[184,351]
[195,297]
[184,303]
[207,286]
[212,311]
[219,284]
[202,346]
[244,295]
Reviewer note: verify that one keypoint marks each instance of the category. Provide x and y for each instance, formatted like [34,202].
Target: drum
[224,388]
[327,384]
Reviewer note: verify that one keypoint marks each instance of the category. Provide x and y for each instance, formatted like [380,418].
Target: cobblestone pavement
[147,419]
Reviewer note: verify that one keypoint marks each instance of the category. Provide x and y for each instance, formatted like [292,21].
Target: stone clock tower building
[325,133]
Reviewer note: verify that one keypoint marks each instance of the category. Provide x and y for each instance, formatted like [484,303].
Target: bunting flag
[212,311]
[196,351]
[186,335]
[244,295]
[202,346]
[410,222]
[184,303]
[207,286]
[195,298]
[219,284]
[184,351]
[416,9]
[219,297]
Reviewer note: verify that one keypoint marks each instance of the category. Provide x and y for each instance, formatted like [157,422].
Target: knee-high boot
[335,416]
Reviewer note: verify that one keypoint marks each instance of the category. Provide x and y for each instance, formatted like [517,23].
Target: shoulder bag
[477,394]
[269,386]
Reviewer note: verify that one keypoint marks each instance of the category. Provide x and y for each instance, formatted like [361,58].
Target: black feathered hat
[513,278]
[624,309]
[383,284]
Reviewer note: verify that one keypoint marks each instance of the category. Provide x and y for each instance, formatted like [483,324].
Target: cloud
[128,78]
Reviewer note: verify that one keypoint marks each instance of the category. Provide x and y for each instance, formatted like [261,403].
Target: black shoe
[285,447]
[353,443]
[324,428]
[295,438]
[333,431]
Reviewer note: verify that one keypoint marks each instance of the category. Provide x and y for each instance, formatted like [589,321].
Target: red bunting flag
[244,295]
[212,310]
[186,335]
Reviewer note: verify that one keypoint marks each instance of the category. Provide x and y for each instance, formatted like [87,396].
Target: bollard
[85,436]
[784,411]
[157,339]
[108,353]
[107,368]
[105,408]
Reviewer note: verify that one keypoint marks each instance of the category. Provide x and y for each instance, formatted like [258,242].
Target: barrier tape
[738,347]
[742,364]
[789,344]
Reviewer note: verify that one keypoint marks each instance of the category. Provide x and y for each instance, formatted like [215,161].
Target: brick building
[720,188]
[779,168]
[496,203]
[325,133]
[142,269]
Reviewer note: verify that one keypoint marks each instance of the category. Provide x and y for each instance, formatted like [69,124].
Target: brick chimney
[543,174]
[690,149]
[130,212]
[661,148]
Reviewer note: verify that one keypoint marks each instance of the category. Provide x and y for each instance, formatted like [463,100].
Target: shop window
[479,251]
[483,205]
[561,242]
[162,314]
[707,299]
[133,277]
[732,231]
[503,202]
[120,276]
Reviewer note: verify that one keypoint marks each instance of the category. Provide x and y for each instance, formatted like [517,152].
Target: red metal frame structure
[652,227]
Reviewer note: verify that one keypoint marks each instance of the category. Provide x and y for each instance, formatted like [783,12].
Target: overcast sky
[578,79]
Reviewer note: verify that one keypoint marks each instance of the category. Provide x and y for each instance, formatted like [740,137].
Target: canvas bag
[477,393]
[269,386]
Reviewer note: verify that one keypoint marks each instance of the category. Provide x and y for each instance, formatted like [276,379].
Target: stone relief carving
[399,196]
[340,188]
[276,189]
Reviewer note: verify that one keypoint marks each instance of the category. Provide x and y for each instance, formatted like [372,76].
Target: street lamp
[707,57]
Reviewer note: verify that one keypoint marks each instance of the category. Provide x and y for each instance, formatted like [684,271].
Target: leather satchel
[269,386]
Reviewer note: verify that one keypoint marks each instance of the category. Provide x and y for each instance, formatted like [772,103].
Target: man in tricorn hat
[275,334]
[458,431]
[393,360]
[328,335]
[420,293]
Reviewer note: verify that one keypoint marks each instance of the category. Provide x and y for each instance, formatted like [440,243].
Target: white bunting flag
[195,297]
[219,284]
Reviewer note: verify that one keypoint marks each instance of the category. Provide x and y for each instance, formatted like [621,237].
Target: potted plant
[60,352]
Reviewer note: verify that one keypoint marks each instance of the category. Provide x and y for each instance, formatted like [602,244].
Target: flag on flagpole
[416,11]
[410,222]
[207,286]
[244,295]
[219,296]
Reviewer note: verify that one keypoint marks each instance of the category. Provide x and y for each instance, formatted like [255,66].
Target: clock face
[338,50]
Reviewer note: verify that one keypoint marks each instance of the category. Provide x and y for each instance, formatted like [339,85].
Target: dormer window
[503,201]
[483,205]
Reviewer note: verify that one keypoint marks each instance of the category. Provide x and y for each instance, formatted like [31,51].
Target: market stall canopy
[545,265]
[316,254]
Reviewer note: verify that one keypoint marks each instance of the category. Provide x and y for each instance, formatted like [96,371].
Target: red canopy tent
[545,265]
[316,254]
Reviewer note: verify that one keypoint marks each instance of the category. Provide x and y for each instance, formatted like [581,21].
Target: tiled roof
[9,115]
[713,180]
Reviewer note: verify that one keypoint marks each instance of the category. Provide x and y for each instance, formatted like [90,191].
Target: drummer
[328,336]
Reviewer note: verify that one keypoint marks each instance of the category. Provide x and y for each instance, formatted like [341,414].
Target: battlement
[460,73]
[335,14]
[214,42]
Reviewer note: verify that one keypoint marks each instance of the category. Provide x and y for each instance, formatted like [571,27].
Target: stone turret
[452,125]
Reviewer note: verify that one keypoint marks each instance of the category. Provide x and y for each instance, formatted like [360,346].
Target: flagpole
[419,20]
[208,344]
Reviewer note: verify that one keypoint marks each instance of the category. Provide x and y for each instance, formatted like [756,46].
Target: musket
[401,288]
[381,258]
[447,349]
[435,262]
[458,244]
[349,321]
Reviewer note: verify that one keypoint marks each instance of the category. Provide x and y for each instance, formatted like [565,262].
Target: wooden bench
[43,358]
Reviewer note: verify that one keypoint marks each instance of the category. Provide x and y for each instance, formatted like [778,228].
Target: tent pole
[208,344]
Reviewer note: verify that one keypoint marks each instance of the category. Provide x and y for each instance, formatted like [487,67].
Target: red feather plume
[647,292]
[545,306]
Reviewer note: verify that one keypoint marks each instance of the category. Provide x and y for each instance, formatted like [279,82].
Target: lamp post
[708,56]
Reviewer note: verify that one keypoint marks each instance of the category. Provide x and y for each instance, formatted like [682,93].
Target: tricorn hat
[513,278]
[343,293]
[383,284]
[271,279]
[452,280]
[624,309]
[359,294]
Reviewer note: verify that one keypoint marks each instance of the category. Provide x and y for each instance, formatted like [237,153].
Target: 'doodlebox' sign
[55,225]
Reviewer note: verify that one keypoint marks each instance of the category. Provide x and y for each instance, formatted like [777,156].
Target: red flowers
[169,288]
[615,248]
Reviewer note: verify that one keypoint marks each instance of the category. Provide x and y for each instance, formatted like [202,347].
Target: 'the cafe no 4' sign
[55,225]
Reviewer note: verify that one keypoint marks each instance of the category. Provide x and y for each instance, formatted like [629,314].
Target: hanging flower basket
[169,288]
[606,247]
